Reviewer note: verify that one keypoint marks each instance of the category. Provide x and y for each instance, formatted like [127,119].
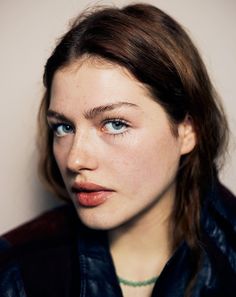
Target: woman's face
[113,144]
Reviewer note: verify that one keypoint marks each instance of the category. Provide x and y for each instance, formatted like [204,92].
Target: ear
[187,135]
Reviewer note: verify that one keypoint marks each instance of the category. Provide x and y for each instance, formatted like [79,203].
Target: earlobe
[187,135]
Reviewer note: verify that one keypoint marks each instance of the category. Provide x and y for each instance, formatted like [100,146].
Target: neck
[141,247]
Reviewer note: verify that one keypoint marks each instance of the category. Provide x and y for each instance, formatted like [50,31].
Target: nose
[82,155]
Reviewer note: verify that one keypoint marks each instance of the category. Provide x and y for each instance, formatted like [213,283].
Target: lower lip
[90,199]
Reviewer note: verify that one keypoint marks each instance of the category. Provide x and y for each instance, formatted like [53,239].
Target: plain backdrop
[29,30]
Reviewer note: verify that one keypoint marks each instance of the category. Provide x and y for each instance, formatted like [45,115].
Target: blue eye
[115,126]
[61,130]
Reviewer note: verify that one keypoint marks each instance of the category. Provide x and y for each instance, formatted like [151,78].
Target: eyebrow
[94,112]
[56,115]
[91,113]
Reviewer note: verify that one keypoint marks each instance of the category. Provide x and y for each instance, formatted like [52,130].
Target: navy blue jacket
[56,256]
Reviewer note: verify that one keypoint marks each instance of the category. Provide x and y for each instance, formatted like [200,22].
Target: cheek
[148,163]
[60,153]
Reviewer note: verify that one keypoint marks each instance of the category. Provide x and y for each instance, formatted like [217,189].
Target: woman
[131,134]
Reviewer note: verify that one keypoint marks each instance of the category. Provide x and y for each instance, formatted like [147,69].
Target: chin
[92,219]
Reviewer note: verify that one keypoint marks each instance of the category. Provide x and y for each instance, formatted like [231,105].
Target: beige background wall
[28,31]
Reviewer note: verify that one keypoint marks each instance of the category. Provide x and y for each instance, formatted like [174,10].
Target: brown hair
[159,53]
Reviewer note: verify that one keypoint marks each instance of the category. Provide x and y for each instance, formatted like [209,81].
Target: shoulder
[50,225]
[42,250]
[219,238]
[49,231]
[224,204]
[219,214]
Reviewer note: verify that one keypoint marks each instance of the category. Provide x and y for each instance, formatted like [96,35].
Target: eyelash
[54,127]
[113,120]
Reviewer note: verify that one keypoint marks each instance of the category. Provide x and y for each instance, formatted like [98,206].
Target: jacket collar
[98,276]
[97,272]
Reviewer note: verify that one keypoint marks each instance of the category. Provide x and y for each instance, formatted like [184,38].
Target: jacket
[56,256]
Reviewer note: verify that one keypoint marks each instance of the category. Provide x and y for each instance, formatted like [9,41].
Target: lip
[89,194]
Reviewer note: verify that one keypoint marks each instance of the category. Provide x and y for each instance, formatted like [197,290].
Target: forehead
[94,79]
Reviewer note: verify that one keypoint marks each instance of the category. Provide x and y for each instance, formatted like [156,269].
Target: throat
[139,257]
[140,249]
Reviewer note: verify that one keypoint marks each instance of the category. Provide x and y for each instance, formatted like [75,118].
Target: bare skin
[110,133]
[141,248]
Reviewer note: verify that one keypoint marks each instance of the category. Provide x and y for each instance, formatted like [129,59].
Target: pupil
[117,125]
[67,128]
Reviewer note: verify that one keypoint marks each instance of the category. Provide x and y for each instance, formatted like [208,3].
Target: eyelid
[112,120]
[54,125]
[54,122]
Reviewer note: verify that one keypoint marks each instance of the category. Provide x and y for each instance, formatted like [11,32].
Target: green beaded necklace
[137,284]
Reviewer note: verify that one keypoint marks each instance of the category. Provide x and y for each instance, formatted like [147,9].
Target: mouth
[90,194]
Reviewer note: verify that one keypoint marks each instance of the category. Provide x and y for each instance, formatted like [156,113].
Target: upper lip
[88,187]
